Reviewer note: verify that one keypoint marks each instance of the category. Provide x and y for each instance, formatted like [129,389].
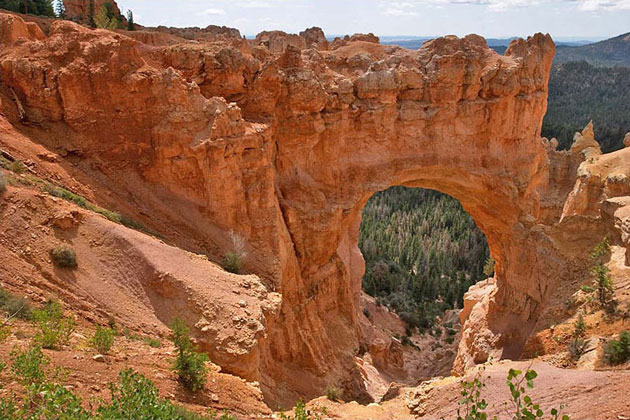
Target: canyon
[270,148]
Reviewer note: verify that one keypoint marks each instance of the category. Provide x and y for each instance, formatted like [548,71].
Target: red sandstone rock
[282,146]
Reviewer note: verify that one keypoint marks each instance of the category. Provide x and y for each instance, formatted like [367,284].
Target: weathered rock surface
[80,9]
[281,142]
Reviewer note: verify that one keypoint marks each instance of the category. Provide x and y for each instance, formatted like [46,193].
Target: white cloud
[256,4]
[393,11]
[494,5]
[594,5]
[213,12]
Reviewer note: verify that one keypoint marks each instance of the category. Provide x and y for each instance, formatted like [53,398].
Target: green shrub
[63,257]
[577,346]
[54,328]
[586,288]
[14,306]
[301,413]
[449,340]
[130,335]
[488,268]
[189,364]
[405,340]
[618,351]
[522,404]
[28,365]
[53,401]
[232,262]
[3,185]
[112,216]
[66,195]
[18,167]
[472,405]
[152,342]
[102,340]
[333,393]
[133,397]
[136,397]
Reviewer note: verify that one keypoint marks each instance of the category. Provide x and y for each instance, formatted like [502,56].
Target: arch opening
[422,252]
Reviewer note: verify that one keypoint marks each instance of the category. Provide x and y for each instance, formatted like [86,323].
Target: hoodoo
[274,145]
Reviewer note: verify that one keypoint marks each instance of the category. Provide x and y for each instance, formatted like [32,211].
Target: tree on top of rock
[60,9]
[106,18]
[91,14]
[33,7]
[130,25]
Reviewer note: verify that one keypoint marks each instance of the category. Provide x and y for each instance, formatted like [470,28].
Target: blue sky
[582,19]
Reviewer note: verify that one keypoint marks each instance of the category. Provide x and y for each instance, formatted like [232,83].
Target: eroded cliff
[279,142]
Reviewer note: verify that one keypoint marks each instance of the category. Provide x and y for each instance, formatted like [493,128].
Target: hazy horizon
[569,20]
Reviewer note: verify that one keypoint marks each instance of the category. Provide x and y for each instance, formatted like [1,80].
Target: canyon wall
[280,141]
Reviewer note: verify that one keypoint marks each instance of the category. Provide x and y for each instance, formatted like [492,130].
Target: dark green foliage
[232,262]
[422,252]
[579,92]
[54,328]
[102,340]
[610,52]
[91,14]
[604,283]
[14,306]
[618,351]
[130,25]
[63,257]
[189,364]
[33,7]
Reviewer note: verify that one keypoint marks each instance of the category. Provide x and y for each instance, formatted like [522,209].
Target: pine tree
[130,24]
[605,290]
[45,8]
[60,9]
[91,14]
[103,19]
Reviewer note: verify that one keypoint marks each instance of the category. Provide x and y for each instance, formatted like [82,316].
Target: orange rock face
[80,9]
[281,141]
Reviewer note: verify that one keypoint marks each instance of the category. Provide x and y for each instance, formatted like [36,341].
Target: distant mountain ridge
[610,52]
[498,44]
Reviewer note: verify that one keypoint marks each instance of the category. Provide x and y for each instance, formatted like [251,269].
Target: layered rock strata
[274,145]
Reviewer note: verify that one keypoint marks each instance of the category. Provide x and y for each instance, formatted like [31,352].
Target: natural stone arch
[288,163]
[473,132]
